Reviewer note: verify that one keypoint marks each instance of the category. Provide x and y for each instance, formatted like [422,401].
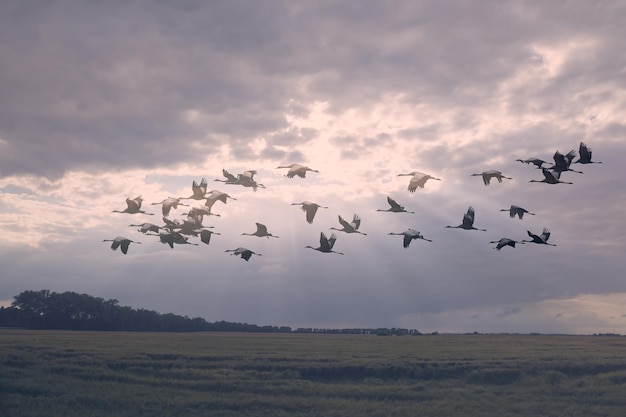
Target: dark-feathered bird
[488,175]
[584,153]
[309,208]
[395,207]
[350,227]
[538,163]
[133,206]
[540,239]
[326,244]
[244,253]
[468,221]
[505,241]
[517,211]
[551,177]
[562,162]
[261,231]
[120,242]
[409,236]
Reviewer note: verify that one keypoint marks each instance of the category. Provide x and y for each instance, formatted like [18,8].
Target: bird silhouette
[215,195]
[171,238]
[205,235]
[468,221]
[309,208]
[261,231]
[562,162]
[244,253]
[538,163]
[198,190]
[418,180]
[168,204]
[350,227]
[326,244]
[120,242]
[551,177]
[133,206]
[146,227]
[395,207]
[488,175]
[505,241]
[409,236]
[540,239]
[517,211]
[230,178]
[297,169]
[584,153]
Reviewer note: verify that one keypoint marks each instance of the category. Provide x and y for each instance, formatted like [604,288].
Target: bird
[488,175]
[395,207]
[551,177]
[505,241]
[517,211]
[562,162]
[133,206]
[205,235]
[261,231]
[146,227]
[297,169]
[230,178]
[215,195]
[418,180]
[199,212]
[468,221]
[310,209]
[169,204]
[409,236]
[538,163]
[170,238]
[584,153]
[243,252]
[198,190]
[121,242]
[540,239]
[326,244]
[247,180]
[350,227]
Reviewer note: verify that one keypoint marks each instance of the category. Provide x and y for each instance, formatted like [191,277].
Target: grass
[55,373]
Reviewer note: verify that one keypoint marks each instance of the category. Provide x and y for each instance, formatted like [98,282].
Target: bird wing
[205,236]
[310,212]
[468,218]
[228,175]
[344,223]
[559,159]
[124,244]
[584,151]
[261,229]
[356,221]
[417,181]
[133,204]
[394,204]
[569,156]
[324,242]
[545,235]
[331,241]
[551,175]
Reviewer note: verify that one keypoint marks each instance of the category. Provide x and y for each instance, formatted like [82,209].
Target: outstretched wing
[324,242]
[545,235]
[394,204]
[468,218]
[356,221]
[344,223]
[261,229]
[310,212]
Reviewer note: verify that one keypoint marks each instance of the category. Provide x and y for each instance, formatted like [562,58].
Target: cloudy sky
[104,101]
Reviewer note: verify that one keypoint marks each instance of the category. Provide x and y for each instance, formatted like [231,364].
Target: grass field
[55,373]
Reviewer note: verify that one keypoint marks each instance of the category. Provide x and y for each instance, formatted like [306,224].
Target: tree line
[46,310]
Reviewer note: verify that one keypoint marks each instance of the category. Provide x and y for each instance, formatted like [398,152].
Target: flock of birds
[178,232]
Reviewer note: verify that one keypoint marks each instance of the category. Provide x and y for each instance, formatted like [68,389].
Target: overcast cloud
[104,101]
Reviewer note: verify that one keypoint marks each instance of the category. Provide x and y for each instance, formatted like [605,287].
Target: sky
[103,101]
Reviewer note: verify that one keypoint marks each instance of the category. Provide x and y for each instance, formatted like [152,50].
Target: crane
[297,169]
[562,162]
[517,211]
[395,207]
[350,227]
[409,236]
[540,239]
[168,204]
[120,242]
[133,206]
[505,241]
[261,231]
[468,221]
[198,190]
[309,208]
[551,177]
[538,163]
[326,244]
[488,175]
[244,253]
[418,180]
[585,155]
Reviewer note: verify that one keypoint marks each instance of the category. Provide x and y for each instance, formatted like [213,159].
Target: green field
[57,373]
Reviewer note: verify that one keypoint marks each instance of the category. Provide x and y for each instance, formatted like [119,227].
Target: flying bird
[326,244]
[215,195]
[133,206]
[551,177]
[261,231]
[584,153]
[468,221]
[395,207]
[146,227]
[540,239]
[297,169]
[505,241]
[244,253]
[171,237]
[168,204]
[350,227]
[246,179]
[120,242]
[205,235]
[538,163]
[418,180]
[198,190]
[562,162]
[488,175]
[309,208]
[409,236]
[230,178]
[517,211]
